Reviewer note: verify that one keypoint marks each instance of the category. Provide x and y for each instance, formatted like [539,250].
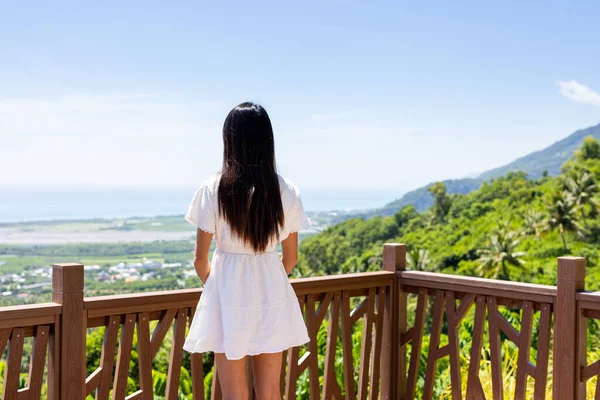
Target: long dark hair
[249,196]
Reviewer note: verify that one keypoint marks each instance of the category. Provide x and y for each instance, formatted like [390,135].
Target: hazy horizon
[49,204]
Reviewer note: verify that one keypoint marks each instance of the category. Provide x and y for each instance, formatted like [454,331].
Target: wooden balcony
[405,323]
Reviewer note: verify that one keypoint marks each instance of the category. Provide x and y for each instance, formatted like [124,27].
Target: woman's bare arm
[201,263]
[289,248]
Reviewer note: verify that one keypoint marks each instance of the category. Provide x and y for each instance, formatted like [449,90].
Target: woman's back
[204,214]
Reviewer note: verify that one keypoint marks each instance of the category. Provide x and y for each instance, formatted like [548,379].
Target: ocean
[49,203]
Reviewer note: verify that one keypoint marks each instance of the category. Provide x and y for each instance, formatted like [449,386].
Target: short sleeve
[296,219]
[201,212]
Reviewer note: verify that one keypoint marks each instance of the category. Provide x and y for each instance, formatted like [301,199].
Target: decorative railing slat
[161,330]
[144,356]
[365,349]
[329,378]
[38,359]
[176,354]
[495,352]
[313,366]
[107,359]
[474,390]
[347,348]
[13,365]
[377,343]
[452,316]
[524,348]
[123,358]
[434,341]
[543,352]
[417,341]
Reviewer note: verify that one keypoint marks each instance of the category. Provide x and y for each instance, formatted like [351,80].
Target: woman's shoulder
[287,186]
[211,184]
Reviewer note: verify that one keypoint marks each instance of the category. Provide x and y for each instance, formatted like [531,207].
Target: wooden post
[67,290]
[393,360]
[569,336]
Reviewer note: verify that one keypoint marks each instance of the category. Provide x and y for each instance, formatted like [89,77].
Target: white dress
[248,305]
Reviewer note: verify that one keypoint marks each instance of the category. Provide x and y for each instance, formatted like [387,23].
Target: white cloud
[580,93]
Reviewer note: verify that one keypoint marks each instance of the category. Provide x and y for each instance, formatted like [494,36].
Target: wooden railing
[422,335]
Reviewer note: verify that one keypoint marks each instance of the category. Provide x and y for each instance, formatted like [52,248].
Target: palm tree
[533,222]
[418,259]
[582,185]
[562,209]
[500,253]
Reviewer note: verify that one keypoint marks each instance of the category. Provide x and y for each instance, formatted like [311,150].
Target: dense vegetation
[510,228]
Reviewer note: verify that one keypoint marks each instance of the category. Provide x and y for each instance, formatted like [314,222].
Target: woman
[248,307]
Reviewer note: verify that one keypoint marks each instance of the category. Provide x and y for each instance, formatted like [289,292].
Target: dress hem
[198,348]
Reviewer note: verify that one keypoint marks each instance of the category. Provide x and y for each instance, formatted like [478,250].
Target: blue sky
[362,94]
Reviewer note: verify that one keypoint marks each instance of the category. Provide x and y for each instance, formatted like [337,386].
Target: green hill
[549,159]
[421,199]
[511,228]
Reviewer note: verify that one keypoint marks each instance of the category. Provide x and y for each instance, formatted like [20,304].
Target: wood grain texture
[161,330]
[490,287]
[197,374]
[452,317]
[54,360]
[107,359]
[543,352]
[374,383]
[13,364]
[473,382]
[144,357]
[197,366]
[496,357]
[417,341]
[123,358]
[571,279]
[4,336]
[313,366]
[365,350]
[524,349]
[67,290]
[393,360]
[329,378]
[347,348]
[176,355]
[434,341]
[38,360]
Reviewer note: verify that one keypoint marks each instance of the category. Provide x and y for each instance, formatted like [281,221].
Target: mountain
[422,199]
[534,164]
[549,159]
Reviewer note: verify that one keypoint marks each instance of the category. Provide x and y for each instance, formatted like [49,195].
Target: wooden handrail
[592,297]
[331,283]
[107,305]
[467,284]
[30,310]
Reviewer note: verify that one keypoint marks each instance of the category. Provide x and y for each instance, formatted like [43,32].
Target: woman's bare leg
[232,377]
[266,369]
